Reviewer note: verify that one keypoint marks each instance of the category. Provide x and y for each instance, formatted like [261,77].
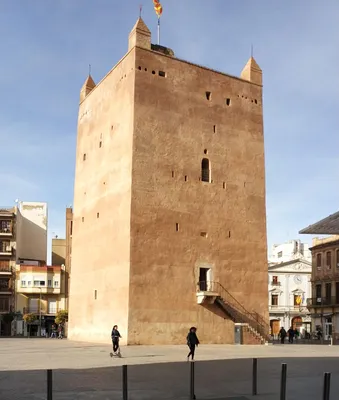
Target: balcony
[29,289]
[5,290]
[290,309]
[5,249]
[323,302]
[275,283]
[44,310]
[5,269]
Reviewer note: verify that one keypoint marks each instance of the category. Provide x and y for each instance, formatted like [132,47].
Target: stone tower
[169,201]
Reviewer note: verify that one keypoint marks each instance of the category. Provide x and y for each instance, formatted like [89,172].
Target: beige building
[58,251]
[23,237]
[169,202]
[324,303]
[40,290]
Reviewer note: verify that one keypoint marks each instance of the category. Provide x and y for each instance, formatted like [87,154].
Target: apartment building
[40,290]
[324,302]
[7,267]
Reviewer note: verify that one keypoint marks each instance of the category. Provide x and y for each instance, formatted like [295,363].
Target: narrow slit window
[83,219]
[172,174]
[229,234]
[162,74]
[205,170]
[139,68]
[228,102]
[100,144]
[98,215]
[177,227]
[214,128]
[208,96]
[185,178]
[224,185]
[95,294]
[84,157]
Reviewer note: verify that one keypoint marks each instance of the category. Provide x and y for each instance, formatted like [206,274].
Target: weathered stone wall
[102,203]
[175,127]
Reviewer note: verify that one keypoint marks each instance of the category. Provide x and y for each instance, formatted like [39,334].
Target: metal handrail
[254,319]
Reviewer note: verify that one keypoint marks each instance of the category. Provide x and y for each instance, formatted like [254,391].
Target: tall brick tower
[169,201]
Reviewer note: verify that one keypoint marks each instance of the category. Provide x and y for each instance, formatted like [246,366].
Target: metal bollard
[255,377]
[192,394]
[283,382]
[327,382]
[124,383]
[49,385]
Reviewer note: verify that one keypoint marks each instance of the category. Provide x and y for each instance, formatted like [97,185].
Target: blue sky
[46,47]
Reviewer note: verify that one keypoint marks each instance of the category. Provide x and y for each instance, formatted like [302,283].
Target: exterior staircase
[255,329]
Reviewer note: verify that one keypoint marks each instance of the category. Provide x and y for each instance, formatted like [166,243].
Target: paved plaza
[85,371]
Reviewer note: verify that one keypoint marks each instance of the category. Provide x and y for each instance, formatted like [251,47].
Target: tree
[29,319]
[61,317]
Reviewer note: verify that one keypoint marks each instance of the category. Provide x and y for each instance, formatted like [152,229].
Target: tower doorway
[205,279]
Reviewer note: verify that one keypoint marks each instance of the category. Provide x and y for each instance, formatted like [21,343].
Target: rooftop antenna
[140,8]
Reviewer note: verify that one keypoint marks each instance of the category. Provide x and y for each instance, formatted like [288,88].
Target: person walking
[290,335]
[282,335]
[192,341]
[115,335]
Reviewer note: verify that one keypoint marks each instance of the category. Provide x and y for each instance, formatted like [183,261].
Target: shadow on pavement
[224,379]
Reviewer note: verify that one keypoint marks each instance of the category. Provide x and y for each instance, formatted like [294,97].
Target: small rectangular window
[274,299]
[228,102]
[177,227]
[185,178]
[204,234]
[319,260]
[172,174]
[280,254]
[229,234]
[95,294]
[214,128]
[100,144]
[275,280]
[98,215]
[83,219]
[71,228]
[84,157]
[162,73]
[56,283]
[208,96]
[224,185]
[23,283]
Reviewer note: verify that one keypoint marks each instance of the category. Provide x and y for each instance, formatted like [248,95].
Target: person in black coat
[115,335]
[192,341]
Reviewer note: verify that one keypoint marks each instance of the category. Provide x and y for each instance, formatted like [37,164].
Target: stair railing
[254,319]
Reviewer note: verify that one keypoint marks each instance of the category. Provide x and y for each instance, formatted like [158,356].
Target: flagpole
[159,31]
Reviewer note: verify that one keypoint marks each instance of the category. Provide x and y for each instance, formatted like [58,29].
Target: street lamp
[40,311]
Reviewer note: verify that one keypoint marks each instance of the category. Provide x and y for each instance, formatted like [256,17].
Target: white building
[31,231]
[289,286]
[290,251]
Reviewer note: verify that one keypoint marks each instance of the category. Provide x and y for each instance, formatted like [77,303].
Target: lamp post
[40,311]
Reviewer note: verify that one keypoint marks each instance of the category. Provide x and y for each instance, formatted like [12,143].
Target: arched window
[205,170]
